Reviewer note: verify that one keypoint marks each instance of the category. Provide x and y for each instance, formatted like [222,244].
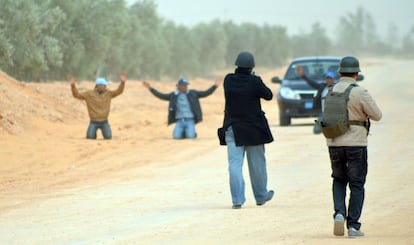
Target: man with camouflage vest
[348,152]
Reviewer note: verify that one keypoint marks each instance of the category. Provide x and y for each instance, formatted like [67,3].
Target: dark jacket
[193,98]
[317,100]
[243,110]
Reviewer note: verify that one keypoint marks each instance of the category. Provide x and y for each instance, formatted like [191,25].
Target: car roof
[310,58]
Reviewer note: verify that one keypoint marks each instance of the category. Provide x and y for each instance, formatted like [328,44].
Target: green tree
[314,43]
[146,44]
[71,40]
[392,38]
[6,48]
[99,24]
[357,34]
[44,39]
[350,32]
[407,48]
[272,46]
[115,61]
[211,46]
[238,39]
[269,44]
[30,27]
[182,55]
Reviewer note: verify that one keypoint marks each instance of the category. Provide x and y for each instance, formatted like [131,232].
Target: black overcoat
[243,111]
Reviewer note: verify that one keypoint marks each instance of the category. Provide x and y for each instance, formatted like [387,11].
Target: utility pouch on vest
[333,131]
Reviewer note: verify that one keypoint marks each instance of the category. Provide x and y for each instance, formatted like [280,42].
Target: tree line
[43,40]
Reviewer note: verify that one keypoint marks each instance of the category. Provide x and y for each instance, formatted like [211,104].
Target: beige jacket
[98,104]
[360,107]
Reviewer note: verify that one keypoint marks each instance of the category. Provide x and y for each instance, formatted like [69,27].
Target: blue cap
[330,74]
[101,81]
[182,81]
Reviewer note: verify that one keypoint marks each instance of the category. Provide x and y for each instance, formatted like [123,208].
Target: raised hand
[218,81]
[71,79]
[146,84]
[123,76]
[300,71]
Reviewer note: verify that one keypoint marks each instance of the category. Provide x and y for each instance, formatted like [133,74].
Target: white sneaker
[352,232]
[339,222]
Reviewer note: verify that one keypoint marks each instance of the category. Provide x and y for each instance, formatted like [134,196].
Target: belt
[366,124]
[94,121]
[359,123]
[185,119]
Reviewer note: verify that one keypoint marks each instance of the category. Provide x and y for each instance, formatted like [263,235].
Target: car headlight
[288,93]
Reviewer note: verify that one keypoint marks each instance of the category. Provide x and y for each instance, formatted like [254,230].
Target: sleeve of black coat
[160,95]
[264,91]
[207,92]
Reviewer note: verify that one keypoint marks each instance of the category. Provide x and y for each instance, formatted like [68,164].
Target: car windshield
[314,69]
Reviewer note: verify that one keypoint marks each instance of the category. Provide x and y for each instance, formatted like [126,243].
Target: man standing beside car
[322,91]
[348,151]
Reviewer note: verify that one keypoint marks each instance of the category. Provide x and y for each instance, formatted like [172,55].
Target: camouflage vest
[335,120]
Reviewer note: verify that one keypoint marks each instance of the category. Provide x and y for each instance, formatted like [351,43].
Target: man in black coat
[246,130]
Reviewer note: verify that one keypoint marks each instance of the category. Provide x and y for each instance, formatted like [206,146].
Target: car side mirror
[276,80]
[360,77]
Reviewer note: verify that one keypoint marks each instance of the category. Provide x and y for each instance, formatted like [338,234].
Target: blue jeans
[184,128]
[349,167]
[257,170]
[103,126]
[316,129]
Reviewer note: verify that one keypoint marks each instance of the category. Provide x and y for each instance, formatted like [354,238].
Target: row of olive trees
[48,39]
[356,33]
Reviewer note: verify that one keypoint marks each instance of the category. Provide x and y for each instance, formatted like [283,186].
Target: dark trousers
[349,167]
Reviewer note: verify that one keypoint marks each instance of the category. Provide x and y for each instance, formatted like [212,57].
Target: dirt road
[144,188]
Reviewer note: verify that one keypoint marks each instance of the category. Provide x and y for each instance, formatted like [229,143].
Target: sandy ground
[142,187]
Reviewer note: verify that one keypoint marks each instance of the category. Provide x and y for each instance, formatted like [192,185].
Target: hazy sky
[295,15]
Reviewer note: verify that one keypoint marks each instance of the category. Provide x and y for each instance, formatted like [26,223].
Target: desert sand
[142,187]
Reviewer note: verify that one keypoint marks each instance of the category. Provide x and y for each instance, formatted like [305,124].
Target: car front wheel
[284,120]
